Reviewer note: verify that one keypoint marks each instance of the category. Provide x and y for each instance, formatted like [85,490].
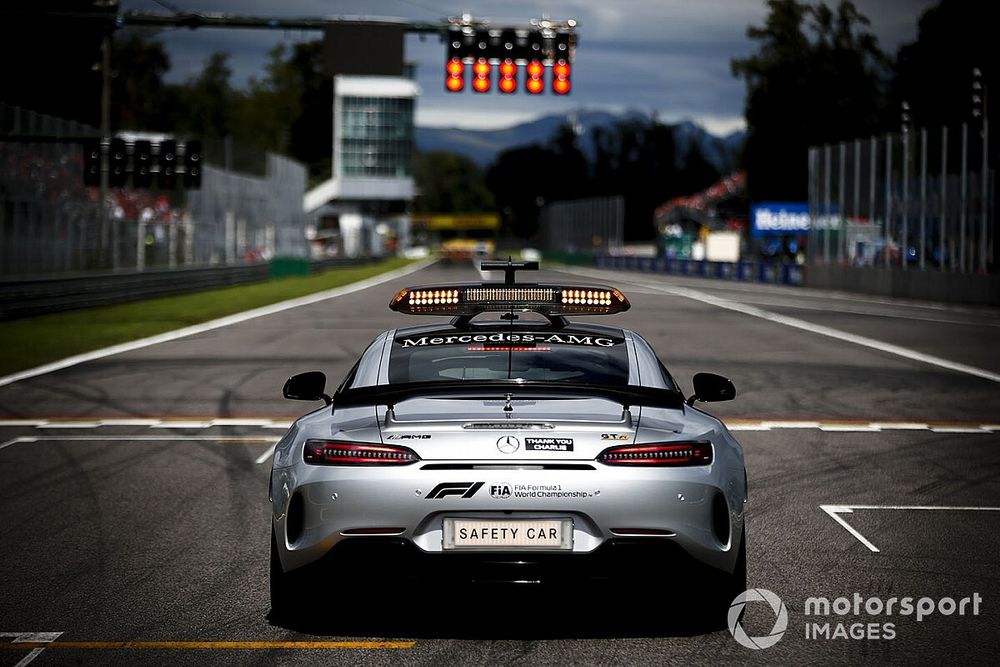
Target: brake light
[673,454]
[334,453]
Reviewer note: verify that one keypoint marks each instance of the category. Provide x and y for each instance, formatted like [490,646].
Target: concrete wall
[913,284]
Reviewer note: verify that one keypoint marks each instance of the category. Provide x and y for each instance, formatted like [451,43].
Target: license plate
[504,534]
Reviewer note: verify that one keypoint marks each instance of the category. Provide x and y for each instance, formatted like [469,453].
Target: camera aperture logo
[823,615]
[736,624]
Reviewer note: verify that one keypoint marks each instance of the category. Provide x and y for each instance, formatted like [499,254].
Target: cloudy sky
[669,57]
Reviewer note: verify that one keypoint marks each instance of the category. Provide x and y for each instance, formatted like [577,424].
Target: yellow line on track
[224,645]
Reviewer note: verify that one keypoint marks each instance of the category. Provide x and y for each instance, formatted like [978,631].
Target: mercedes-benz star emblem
[508,444]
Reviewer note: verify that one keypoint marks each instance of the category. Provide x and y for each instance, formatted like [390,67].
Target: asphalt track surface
[135,527]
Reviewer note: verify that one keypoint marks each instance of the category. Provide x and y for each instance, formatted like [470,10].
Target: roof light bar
[456,300]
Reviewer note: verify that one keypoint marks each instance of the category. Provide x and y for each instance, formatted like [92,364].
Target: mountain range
[483,146]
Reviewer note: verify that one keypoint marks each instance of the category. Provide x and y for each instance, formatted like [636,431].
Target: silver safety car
[512,442]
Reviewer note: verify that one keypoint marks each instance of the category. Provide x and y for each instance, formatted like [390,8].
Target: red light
[674,454]
[535,86]
[560,78]
[535,69]
[455,67]
[333,453]
[481,81]
[455,83]
[508,77]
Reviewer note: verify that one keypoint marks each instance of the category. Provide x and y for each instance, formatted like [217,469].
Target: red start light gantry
[496,56]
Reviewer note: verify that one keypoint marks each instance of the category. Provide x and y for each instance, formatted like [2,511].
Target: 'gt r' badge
[615,436]
[508,444]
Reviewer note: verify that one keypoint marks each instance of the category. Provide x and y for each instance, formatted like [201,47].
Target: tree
[141,100]
[637,159]
[450,183]
[934,73]
[807,84]
[518,182]
[312,130]
[51,57]
[208,100]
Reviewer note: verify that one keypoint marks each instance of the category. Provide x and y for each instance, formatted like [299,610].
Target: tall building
[362,209]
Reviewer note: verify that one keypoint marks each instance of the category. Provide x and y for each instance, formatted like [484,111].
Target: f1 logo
[463,489]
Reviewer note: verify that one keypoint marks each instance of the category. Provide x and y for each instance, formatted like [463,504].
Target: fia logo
[500,491]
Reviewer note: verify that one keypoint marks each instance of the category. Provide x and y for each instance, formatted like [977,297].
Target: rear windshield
[563,356]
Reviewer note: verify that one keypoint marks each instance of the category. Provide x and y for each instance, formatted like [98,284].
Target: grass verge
[39,340]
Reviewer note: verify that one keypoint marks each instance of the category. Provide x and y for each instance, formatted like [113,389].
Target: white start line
[835,512]
[224,439]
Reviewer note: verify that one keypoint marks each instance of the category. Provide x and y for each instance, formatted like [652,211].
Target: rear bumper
[616,560]
[316,509]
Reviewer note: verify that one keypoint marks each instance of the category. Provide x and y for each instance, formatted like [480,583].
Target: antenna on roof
[509,267]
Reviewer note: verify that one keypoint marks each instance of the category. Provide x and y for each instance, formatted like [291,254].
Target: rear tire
[282,584]
[726,586]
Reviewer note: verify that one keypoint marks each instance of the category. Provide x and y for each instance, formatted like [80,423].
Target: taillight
[673,454]
[334,453]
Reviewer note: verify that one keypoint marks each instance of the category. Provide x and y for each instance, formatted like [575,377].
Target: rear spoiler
[626,395]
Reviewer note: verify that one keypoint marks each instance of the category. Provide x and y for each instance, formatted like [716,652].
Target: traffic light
[192,164]
[560,78]
[142,164]
[561,69]
[533,81]
[454,81]
[481,70]
[92,163]
[508,76]
[977,93]
[117,163]
[472,45]
[168,165]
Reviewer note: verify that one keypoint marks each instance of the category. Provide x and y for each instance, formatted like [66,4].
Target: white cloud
[471,119]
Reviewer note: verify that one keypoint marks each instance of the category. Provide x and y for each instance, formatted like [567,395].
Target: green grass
[38,340]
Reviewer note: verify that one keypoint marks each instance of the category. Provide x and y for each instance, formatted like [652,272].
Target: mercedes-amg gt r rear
[523,447]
